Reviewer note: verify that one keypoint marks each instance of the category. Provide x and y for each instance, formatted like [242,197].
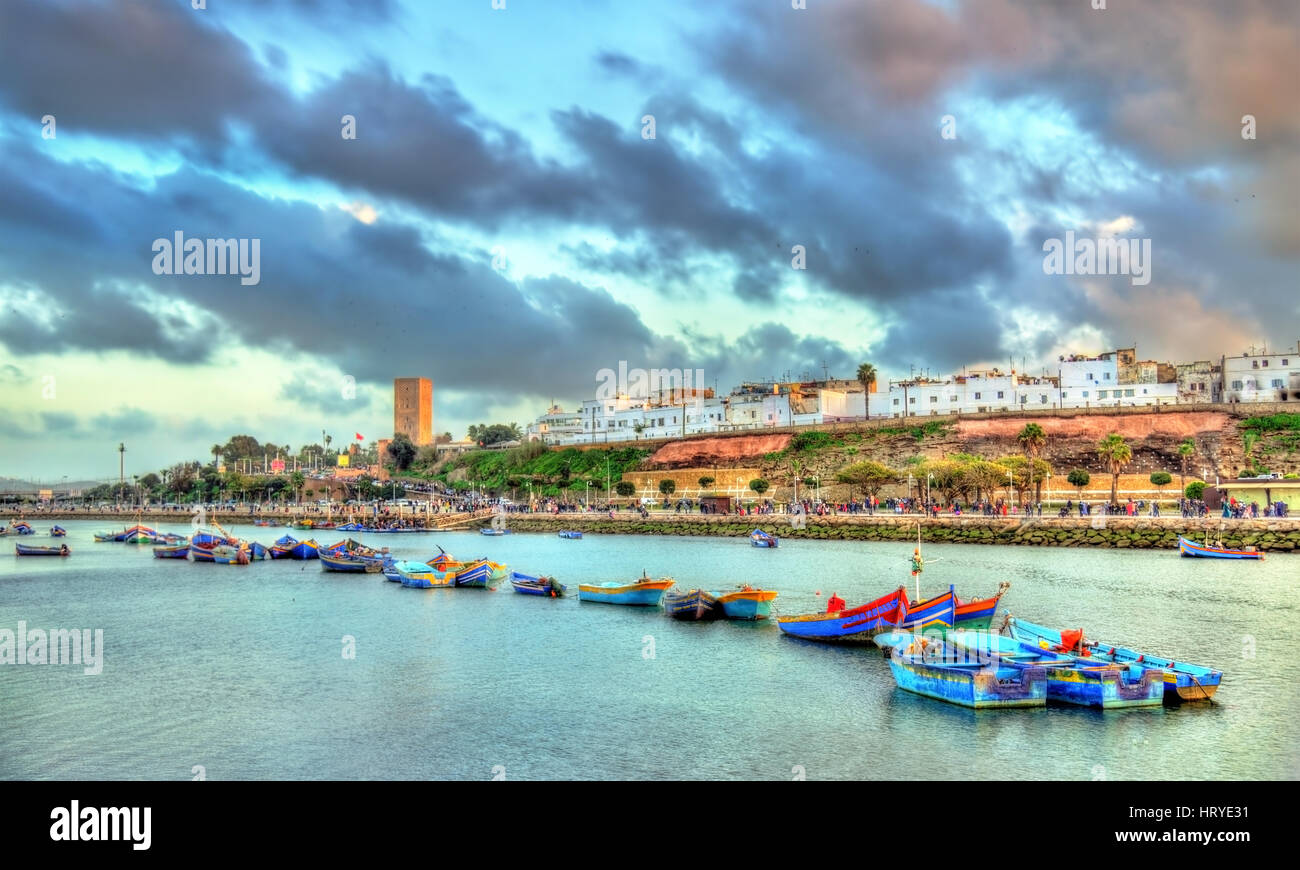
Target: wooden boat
[481,574]
[1182,681]
[283,547]
[345,563]
[929,671]
[1069,680]
[528,585]
[855,625]
[229,554]
[25,550]
[171,551]
[978,615]
[201,551]
[760,538]
[493,532]
[137,534]
[58,532]
[419,576]
[571,535]
[747,602]
[695,604]
[258,552]
[643,592]
[104,537]
[20,527]
[1191,548]
[307,549]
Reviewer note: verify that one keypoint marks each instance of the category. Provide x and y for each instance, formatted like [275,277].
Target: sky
[853,181]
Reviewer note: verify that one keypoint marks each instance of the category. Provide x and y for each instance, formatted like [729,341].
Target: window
[1264,363]
[1088,376]
[1130,392]
[1085,394]
[977,395]
[1276,382]
[1065,394]
[912,400]
[933,399]
[999,394]
[1106,376]
[952,398]
[1286,362]
[1023,398]
[1236,385]
[896,401]
[1254,364]
[1101,394]
[1042,398]
[661,421]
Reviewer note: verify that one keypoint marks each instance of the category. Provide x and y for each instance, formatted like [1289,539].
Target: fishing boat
[760,538]
[1191,548]
[570,534]
[258,552]
[104,537]
[1182,681]
[346,563]
[58,532]
[137,534]
[391,568]
[928,668]
[642,592]
[1069,680]
[25,550]
[747,602]
[307,549]
[20,527]
[230,554]
[171,551]
[856,625]
[977,615]
[283,547]
[493,532]
[525,584]
[481,574]
[419,576]
[201,551]
[692,605]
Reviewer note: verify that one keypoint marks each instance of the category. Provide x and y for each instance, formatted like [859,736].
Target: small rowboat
[571,535]
[856,625]
[747,602]
[695,604]
[228,554]
[482,574]
[1069,680]
[167,551]
[419,576]
[346,563]
[307,549]
[760,538]
[493,532]
[643,592]
[936,672]
[527,585]
[1182,681]
[24,550]
[58,532]
[1191,548]
[20,527]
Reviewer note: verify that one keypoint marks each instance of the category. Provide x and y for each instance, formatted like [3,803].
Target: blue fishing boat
[644,592]
[760,538]
[283,547]
[931,671]
[1182,681]
[21,527]
[1205,551]
[747,602]
[258,552]
[854,625]
[348,564]
[230,554]
[421,576]
[692,605]
[171,551]
[58,532]
[571,535]
[493,533]
[307,549]
[26,550]
[475,575]
[525,584]
[1069,680]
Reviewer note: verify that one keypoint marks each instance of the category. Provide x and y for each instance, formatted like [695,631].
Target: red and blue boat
[526,584]
[760,538]
[1182,681]
[347,564]
[856,625]
[1205,551]
[58,532]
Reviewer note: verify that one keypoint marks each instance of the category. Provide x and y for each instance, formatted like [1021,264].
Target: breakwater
[1144,533]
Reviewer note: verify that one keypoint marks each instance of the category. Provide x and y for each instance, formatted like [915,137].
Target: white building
[1262,377]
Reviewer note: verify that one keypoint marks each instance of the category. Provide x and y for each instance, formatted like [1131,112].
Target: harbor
[449,684]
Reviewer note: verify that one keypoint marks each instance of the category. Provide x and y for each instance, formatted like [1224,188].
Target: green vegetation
[1079,478]
[487,434]
[759,485]
[868,476]
[1160,479]
[401,451]
[534,462]
[667,486]
[1114,451]
[1195,490]
[625,488]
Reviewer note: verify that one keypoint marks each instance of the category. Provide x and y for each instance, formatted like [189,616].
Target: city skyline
[507,223]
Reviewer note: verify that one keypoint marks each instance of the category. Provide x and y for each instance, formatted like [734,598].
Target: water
[240,670]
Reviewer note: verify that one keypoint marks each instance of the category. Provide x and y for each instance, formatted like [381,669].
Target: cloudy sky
[503,223]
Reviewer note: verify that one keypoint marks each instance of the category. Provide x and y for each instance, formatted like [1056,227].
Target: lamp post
[909,486]
[928,478]
[1011,492]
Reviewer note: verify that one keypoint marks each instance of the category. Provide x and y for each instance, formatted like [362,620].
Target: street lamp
[1011,493]
[928,478]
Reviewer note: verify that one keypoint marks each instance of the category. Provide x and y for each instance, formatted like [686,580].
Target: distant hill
[14,484]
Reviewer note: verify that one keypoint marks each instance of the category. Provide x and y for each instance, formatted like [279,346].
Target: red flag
[359,438]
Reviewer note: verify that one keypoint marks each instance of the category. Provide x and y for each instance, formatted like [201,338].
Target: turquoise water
[240,670]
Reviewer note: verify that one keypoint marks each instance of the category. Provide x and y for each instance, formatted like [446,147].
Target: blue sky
[516,134]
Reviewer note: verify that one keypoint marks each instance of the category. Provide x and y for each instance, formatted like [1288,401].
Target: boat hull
[343,564]
[648,594]
[858,625]
[975,686]
[304,550]
[755,604]
[528,585]
[1193,549]
[22,550]
[180,551]
[692,605]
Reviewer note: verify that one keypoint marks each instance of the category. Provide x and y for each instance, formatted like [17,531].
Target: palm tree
[1114,453]
[867,377]
[216,455]
[1032,439]
[1185,451]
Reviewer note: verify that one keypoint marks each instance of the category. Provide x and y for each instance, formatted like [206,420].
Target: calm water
[241,670]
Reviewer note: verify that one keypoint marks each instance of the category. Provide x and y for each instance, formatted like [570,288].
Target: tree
[487,434]
[667,486]
[1186,449]
[1079,478]
[625,488]
[1160,479]
[1032,439]
[216,454]
[867,377]
[985,477]
[1114,453]
[1195,490]
[759,485]
[296,480]
[706,482]
[401,450]
[869,476]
